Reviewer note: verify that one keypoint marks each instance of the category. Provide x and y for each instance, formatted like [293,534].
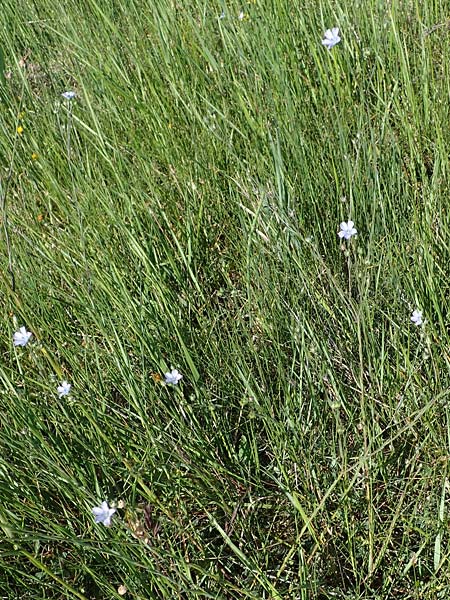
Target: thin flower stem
[74,190]
[349,273]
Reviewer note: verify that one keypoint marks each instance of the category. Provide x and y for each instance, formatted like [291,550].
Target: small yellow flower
[34,156]
[20,130]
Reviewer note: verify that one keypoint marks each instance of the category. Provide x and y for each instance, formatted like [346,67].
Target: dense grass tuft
[182,212]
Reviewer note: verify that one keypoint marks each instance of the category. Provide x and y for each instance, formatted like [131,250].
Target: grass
[183,212]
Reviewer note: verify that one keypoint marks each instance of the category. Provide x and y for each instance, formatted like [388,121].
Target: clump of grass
[181,212]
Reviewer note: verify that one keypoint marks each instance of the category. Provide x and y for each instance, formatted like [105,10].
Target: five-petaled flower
[68,95]
[347,230]
[331,38]
[173,377]
[103,513]
[416,317]
[21,337]
[64,389]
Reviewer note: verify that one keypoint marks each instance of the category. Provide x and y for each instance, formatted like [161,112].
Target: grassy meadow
[182,212]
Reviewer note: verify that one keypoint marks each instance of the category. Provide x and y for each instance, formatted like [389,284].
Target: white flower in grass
[103,513]
[21,337]
[173,377]
[347,230]
[64,389]
[331,38]
[68,95]
[241,15]
[416,317]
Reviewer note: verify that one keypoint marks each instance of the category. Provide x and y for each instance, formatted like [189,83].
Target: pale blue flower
[347,230]
[416,317]
[64,389]
[21,337]
[68,95]
[331,38]
[173,377]
[103,513]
